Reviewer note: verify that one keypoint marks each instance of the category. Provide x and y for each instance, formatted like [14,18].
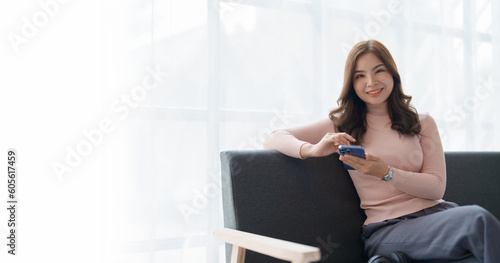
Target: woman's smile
[375,93]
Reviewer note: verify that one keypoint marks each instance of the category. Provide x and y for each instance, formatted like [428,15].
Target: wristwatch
[388,176]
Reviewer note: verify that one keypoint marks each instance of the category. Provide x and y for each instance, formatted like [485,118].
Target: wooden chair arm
[285,250]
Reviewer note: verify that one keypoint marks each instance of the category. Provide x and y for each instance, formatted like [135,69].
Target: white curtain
[156,89]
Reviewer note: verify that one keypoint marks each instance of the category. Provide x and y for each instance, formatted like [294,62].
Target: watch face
[388,176]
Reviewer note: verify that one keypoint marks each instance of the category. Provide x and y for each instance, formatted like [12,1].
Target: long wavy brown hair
[350,116]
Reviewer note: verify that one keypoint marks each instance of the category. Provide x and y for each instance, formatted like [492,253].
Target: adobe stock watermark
[328,246]
[202,196]
[453,118]
[31,26]
[461,111]
[373,28]
[95,136]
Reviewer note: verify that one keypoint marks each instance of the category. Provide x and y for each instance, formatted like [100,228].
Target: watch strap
[388,176]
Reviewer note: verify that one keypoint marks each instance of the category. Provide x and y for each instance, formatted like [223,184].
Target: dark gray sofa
[313,201]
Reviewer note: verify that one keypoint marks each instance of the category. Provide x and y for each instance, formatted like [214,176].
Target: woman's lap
[445,231]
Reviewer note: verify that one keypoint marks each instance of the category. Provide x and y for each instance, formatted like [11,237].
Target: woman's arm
[430,183]
[312,140]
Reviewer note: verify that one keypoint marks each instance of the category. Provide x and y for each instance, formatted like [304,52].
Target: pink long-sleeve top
[419,176]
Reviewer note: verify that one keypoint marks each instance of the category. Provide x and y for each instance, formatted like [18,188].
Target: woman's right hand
[328,145]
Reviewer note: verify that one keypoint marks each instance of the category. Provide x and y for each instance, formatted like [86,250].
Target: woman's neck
[380,109]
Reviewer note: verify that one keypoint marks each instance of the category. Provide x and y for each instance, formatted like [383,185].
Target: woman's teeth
[375,91]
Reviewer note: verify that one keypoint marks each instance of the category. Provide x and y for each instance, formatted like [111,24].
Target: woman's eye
[380,70]
[358,76]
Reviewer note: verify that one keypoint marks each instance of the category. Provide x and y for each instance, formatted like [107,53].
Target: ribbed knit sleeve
[430,182]
[289,141]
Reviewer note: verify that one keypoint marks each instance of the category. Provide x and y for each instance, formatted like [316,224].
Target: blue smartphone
[355,150]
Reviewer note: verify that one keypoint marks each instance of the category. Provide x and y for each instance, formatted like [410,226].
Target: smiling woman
[398,192]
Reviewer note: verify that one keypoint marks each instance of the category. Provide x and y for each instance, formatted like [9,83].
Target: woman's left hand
[372,165]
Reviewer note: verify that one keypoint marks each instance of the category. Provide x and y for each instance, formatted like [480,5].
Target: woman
[403,178]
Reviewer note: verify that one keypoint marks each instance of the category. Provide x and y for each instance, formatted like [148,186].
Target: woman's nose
[371,81]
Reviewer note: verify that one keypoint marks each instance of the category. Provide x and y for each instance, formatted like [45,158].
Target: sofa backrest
[314,201]
[474,178]
[310,201]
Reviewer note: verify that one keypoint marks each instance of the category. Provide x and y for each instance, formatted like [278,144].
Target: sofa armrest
[285,250]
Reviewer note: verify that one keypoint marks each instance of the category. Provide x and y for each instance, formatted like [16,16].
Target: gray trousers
[445,232]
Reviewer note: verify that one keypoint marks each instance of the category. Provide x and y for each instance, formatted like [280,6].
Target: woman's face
[371,80]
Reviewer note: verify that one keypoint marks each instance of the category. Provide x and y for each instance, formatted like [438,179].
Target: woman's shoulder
[427,121]
[425,117]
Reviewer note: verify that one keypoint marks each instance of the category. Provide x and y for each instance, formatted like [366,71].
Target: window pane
[266,56]
[180,48]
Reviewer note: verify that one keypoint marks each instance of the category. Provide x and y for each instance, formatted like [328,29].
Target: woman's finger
[343,138]
[352,161]
[349,137]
